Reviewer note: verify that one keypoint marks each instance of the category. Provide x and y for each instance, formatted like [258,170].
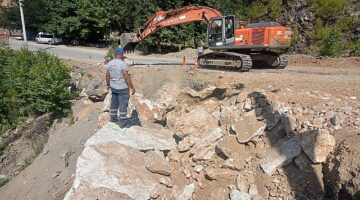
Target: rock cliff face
[299,16]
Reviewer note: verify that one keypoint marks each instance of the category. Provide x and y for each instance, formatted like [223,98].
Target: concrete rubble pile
[219,143]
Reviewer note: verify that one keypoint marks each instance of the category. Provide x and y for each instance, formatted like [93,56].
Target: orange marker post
[183,62]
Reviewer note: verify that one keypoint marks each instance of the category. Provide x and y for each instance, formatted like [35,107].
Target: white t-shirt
[116,67]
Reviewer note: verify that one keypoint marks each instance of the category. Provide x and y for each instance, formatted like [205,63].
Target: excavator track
[284,61]
[226,60]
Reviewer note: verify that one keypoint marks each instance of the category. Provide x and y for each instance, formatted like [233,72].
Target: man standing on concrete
[119,81]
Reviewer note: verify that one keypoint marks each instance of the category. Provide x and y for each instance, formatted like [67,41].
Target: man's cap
[119,50]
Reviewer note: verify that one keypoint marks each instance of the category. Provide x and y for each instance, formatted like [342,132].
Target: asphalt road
[90,55]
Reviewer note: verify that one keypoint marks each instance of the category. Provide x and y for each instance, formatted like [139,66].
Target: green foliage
[347,24]
[331,44]
[295,35]
[32,84]
[275,9]
[320,30]
[4,181]
[327,40]
[110,54]
[257,10]
[38,148]
[355,49]
[94,20]
[329,8]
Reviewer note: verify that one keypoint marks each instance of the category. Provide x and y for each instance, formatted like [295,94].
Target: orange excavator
[234,43]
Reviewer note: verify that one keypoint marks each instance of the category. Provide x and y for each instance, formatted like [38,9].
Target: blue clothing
[116,67]
[119,102]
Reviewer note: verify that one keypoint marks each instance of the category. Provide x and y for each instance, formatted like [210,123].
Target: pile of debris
[218,143]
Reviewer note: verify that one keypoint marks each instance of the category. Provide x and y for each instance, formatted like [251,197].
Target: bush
[275,9]
[331,44]
[110,54]
[256,11]
[355,49]
[31,84]
[329,8]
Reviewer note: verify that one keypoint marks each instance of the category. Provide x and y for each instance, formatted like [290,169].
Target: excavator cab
[221,31]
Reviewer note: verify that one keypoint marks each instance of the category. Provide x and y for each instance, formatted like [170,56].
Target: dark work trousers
[119,101]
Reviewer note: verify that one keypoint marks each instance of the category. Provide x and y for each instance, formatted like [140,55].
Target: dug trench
[207,135]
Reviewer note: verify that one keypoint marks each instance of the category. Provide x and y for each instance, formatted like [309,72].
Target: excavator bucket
[128,41]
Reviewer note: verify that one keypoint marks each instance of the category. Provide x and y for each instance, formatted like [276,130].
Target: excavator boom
[163,19]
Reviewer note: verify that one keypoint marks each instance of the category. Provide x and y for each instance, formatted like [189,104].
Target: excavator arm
[162,19]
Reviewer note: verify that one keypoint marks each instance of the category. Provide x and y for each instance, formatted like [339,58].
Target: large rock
[98,193]
[221,174]
[208,139]
[187,143]
[337,119]
[103,118]
[107,102]
[136,137]
[204,154]
[317,145]
[183,193]
[228,115]
[248,127]
[110,169]
[148,111]
[283,152]
[97,90]
[238,195]
[155,162]
[288,121]
[167,95]
[197,122]
[234,153]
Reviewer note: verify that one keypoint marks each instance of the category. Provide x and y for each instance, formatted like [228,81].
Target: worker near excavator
[118,81]
[200,49]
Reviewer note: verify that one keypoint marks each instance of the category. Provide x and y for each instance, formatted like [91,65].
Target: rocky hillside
[325,27]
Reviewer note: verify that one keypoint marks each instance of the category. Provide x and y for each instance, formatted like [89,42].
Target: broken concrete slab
[114,166]
[155,162]
[136,137]
[317,145]
[248,127]
[286,150]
